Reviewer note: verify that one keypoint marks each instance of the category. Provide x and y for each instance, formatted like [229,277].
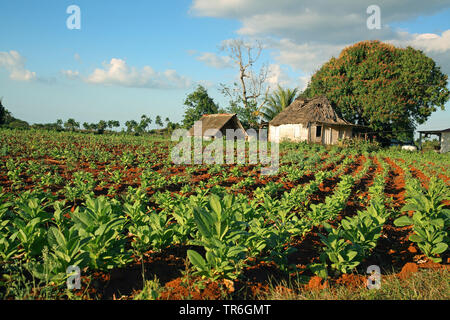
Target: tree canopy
[389,89]
[2,113]
[197,104]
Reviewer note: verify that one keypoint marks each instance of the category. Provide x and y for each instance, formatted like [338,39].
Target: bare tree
[252,88]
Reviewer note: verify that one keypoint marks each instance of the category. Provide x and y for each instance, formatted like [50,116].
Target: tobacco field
[138,226]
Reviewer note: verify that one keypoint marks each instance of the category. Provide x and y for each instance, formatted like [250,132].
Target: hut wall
[298,132]
[339,132]
[294,132]
[327,135]
[335,134]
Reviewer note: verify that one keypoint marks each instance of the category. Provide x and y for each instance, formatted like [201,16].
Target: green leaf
[211,257]
[416,238]
[320,270]
[55,237]
[403,221]
[214,202]
[203,227]
[439,248]
[351,254]
[196,259]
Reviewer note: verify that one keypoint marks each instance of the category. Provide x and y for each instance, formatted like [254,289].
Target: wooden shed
[444,138]
[212,123]
[312,120]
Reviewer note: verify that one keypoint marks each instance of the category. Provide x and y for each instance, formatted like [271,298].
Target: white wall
[298,132]
[295,132]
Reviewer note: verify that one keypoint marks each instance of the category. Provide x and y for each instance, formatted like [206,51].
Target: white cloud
[214,60]
[77,57]
[118,72]
[277,76]
[305,57]
[428,42]
[243,9]
[14,63]
[305,34]
[71,74]
[303,82]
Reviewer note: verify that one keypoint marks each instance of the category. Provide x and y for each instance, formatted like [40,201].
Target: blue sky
[143,57]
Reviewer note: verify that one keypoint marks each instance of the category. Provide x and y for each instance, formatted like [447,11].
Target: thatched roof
[218,122]
[304,111]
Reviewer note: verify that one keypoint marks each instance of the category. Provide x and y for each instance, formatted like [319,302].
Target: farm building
[444,138]
[212,123]
[312,120]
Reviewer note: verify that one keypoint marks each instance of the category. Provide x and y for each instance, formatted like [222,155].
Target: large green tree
[248,116]
[389,89]
[5,115]
[197,104]
[277,102]
[2,113]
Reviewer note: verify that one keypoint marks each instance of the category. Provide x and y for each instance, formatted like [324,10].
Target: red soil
[196,289]
[407,270]
[352,281]
[317,283]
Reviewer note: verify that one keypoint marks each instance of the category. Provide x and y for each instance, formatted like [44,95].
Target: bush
[359,144]
[18,124]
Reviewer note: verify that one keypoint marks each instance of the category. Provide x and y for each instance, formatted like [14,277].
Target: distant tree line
[132,126]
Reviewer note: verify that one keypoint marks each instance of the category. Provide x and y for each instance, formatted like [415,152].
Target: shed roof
[434,131]
[217,122]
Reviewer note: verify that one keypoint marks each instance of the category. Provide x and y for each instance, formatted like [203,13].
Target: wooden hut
[444,138]
[312,120]
[212,123]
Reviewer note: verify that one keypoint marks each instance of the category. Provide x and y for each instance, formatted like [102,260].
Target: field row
[117,208]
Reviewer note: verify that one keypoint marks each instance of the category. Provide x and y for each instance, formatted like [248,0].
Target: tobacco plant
[430,219]
[341,255]
[65,248]
[222,238]
[100,222]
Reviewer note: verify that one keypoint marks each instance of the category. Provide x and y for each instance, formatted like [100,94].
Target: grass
[427,284]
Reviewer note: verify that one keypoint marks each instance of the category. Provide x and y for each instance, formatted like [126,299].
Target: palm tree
[131,125]
[101,126]
[86,126]
[145,122]
[71,124]
[158,121]
[277,102]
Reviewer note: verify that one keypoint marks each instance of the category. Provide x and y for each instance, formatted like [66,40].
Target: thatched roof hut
[312,120]
[217,122]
